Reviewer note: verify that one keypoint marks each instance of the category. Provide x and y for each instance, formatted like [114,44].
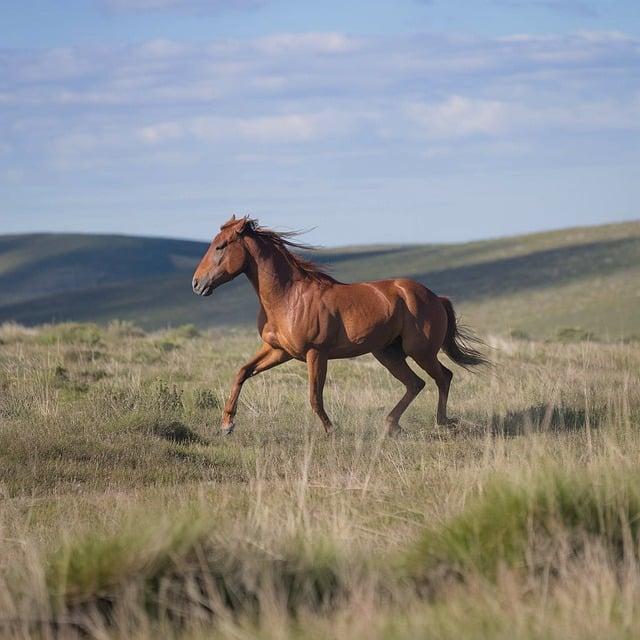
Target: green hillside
[539,283]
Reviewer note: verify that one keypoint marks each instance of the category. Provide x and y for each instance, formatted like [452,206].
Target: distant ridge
[586,277]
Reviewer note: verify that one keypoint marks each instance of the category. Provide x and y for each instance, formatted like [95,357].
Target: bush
[94,566]
[185,332]
[575,334]
[205,399]
[179,566]
[63,380]
[125,329]
[519,334]
[166,345]
[509,523]
[71,333]
[167,399]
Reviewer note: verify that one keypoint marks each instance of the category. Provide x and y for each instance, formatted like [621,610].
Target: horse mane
[283,241]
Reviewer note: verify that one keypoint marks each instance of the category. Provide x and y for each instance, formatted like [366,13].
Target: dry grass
[125,514]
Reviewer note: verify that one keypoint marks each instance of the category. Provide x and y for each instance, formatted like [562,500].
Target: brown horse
[308,315]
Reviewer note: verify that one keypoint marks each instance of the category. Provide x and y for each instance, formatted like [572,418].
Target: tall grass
[523,523]
[125,514]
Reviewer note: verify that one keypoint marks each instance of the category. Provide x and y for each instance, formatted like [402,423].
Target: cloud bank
[334,112]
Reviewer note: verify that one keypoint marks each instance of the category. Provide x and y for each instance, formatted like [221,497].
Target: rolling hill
[539,283]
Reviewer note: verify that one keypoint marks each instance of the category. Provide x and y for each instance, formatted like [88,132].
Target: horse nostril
[194,284]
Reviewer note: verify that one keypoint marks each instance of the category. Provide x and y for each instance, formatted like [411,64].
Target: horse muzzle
[201,288]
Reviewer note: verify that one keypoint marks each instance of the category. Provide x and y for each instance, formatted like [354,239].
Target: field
[126,514]
[540,284]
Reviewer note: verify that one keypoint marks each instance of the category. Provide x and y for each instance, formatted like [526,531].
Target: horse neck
[269,272]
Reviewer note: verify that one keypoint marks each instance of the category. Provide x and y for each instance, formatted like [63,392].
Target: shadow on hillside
[544,418]
[540,269]
[334,257]
[155,292]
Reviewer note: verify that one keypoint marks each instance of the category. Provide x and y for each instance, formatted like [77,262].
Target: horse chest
[294,342]
[303,324]
[275,338]
[270,336]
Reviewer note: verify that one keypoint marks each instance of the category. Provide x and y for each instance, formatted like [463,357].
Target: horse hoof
[227,430]
[394,430]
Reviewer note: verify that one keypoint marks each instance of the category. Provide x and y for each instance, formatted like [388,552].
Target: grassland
[539,284]
[126,514]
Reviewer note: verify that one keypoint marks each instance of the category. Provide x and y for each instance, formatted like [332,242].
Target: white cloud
[162,48]
[294,127]
[318,92]
[287,128]
[457,117]
[300,43]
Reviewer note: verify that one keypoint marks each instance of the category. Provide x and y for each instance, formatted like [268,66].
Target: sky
[368,121]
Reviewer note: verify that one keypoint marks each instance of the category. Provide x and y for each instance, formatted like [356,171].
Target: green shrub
[62,379]
[519,334]
[575,334]
[166,399]
[166,345]
[125,329]
[96,565]
[180,564]
[115,397]
[71,333]
[185,332]
[82,354]
[509,522]
[205,399]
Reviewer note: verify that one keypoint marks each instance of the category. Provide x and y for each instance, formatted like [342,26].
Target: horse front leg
[266,358]
[317,368]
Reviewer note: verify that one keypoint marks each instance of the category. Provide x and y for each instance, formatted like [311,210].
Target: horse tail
[459,341]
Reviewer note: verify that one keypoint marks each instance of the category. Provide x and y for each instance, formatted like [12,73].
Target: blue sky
[379,121]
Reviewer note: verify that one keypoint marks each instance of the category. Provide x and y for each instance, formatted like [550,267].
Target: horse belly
[368,322]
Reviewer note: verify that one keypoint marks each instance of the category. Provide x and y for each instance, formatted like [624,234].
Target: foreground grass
[125,514]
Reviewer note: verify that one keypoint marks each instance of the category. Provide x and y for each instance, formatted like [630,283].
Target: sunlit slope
[539,283]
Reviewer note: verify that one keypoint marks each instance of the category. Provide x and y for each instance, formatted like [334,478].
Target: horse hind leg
[394,359]
[442,376]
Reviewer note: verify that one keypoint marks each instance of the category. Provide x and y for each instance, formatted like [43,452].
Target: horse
[307,315]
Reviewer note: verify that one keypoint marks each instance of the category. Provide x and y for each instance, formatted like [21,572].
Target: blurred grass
[126,514]
[510,520]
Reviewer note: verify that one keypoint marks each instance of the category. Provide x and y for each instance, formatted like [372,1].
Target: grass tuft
[575,334]
[179,567]
[516,523]
[71,333]
[97,566]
